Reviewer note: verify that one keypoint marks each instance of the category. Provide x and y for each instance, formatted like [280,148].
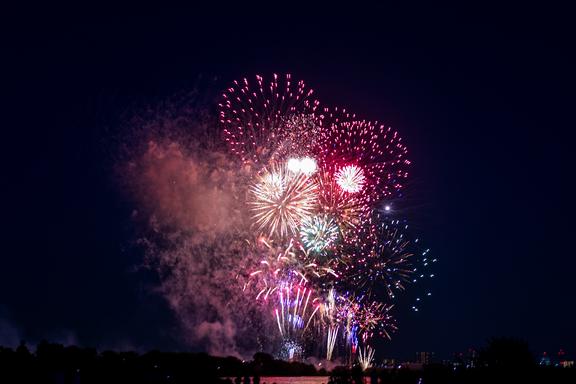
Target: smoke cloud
[188,203]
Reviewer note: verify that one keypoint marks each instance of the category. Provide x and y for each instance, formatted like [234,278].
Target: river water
[295,380]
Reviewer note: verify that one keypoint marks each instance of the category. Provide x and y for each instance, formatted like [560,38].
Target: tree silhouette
[507,353]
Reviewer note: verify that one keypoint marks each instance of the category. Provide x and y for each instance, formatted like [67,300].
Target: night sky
[483,97]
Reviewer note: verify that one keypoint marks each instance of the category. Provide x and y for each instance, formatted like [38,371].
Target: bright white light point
[294,165]
[308,165]
[350,178]
[387,208]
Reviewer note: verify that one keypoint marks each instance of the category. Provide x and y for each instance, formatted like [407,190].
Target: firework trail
[296,308]
[366,357]
[330,314]
[276,265]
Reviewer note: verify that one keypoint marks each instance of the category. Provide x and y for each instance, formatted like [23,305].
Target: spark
[350,178]
[281,200]
[374,148]
[256,113]
[346,209]
[318,233]
[366,357]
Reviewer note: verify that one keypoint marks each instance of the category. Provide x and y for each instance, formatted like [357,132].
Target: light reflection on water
[295,380]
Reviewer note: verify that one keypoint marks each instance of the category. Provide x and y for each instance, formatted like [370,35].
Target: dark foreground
[54,363]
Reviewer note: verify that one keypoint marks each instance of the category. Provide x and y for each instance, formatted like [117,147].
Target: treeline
[504,361]
[55,363]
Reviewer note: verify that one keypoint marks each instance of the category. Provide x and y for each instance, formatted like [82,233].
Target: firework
[290,350]
[281,200]
[296,307]
[306,165]
[344,208]
[281,262]
[330,314]
[332,116]
[293,165]
[347,314]
[318,233]
[331,340]
[278,264]
[376,153]
[381,259]
[366,357]
[300,135]
[422,272]
[375,317]
[350,178]
[261,119]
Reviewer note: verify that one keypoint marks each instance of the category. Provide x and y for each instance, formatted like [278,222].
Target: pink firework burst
[263,120]
[371,147]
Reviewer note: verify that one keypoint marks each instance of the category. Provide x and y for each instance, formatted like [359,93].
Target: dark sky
[483,97]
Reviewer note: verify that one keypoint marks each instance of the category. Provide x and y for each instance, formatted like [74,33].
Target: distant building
[389,363]
[545,360]
[412,366]
[424,358]
[471,358]
[468,359]
[558,360]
